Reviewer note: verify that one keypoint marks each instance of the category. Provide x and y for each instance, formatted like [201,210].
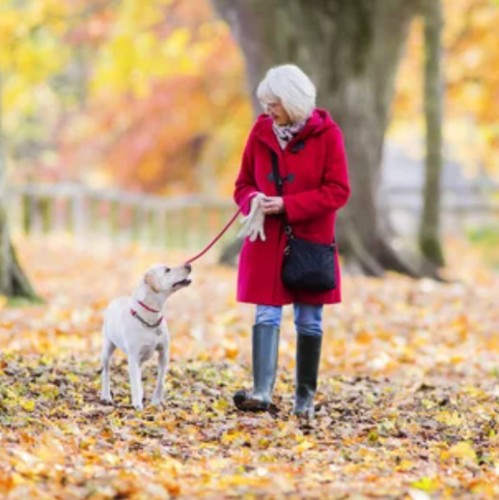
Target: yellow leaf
[405,465]
[449,418]
[28,405]
[428,404]
[221,404]
[463,451]
[72,377]
[304,445]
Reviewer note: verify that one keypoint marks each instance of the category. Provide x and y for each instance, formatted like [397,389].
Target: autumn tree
[352,51]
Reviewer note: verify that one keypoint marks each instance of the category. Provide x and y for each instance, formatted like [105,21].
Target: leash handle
[224,230]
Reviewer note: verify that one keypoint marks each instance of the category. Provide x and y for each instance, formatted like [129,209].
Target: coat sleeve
[245,182]
[333,192]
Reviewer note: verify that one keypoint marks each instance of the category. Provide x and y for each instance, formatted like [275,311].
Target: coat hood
[319,122]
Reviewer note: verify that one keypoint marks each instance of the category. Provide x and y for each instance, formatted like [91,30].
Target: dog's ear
[151,282]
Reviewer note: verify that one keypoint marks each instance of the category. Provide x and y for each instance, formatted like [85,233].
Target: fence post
[80,215]
[45,206]
[15,212]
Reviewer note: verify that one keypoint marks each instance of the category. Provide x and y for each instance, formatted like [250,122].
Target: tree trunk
[351,50]
[13,282]
[429,233]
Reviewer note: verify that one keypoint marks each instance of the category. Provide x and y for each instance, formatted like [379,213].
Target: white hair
[292,87]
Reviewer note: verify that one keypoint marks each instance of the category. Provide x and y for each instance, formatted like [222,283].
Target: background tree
[352,51]
[429,234]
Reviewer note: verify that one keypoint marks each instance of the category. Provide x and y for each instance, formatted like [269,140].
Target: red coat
[311,199]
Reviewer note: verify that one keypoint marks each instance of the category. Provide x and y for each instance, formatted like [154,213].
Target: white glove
[253,222]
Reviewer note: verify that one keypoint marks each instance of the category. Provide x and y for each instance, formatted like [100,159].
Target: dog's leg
[107,351]
[135,382]
[163,353]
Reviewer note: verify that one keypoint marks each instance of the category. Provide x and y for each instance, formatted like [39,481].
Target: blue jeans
[308,317]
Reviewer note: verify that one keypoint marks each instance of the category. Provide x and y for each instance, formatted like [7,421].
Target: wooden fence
[156,222]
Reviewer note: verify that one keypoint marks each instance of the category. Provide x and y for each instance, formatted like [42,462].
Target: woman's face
[277,112]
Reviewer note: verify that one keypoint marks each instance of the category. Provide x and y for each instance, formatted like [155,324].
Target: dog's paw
[106,399]
[138,406]
[157,398]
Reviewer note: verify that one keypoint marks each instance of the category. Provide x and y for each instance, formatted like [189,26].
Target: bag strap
[275,172]
[278,186]
[288,230]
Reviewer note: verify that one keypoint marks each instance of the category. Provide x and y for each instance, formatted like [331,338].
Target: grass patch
[23,302]
[487,235]
[486,240]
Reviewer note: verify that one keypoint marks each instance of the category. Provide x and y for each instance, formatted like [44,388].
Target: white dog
[137,327]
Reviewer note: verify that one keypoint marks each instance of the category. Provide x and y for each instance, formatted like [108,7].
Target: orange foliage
[167,110]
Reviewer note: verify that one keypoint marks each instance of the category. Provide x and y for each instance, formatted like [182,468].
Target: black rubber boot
[308,356]
[265,356]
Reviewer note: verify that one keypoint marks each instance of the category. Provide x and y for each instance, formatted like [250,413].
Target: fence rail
[473,201]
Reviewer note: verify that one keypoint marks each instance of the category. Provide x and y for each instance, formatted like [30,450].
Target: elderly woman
[311,162]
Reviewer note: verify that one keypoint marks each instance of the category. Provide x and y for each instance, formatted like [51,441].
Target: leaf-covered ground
[408,406]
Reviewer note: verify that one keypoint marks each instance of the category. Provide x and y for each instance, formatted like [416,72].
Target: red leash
[234,217]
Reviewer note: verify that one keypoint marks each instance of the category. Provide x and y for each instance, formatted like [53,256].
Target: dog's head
[166,280]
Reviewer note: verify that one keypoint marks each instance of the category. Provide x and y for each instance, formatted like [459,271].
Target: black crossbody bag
[307,266]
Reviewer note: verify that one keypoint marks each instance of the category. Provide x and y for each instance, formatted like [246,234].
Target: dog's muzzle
[184,282]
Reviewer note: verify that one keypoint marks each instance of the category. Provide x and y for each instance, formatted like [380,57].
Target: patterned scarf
[285,133]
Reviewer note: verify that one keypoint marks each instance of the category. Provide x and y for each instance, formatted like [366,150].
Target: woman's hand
[272,205]
[253,223]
